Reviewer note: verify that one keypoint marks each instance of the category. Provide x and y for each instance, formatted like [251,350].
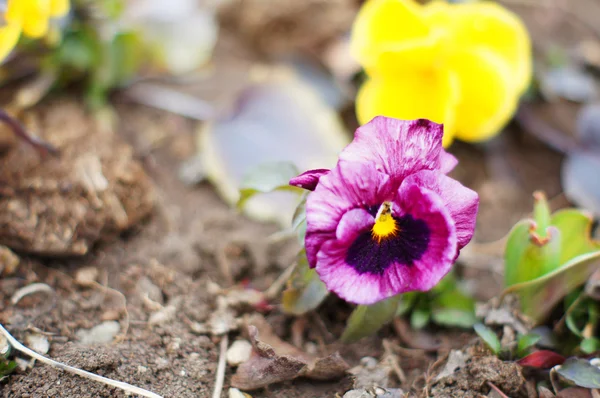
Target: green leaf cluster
[548,257]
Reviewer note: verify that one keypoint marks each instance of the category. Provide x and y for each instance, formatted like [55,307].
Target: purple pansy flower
[387,219]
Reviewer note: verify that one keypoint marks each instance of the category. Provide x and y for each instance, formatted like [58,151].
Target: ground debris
[9,261]
[92,190]
[100,334]
[371,373]
[504,312]
[376,392]
[471,380]
[239,352]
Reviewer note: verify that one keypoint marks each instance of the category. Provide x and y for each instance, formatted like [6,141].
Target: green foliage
[447,304]
[268,177]
[305,291]
[489,337]
[548,257]
[6,367]
[368,319]
[299,219]
[525,342]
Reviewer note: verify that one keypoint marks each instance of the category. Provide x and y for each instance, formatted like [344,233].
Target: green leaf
[541,214]
[407,302]
[580,372]
[539,296]
[575,227]
[368,319]
[6,367]
[488,336]
[267,177]
[590,345]
[454,317]
[525,342]
[419,318]
[305,290]
[529,256]
[299,219]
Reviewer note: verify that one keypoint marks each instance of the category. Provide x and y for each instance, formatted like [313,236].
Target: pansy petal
[396,147]
[489,25]
[407,57]
[9,36]
[447,162]
[347,186]
[376,27]
[426,205]
[461,202]
[353,222]
[309,179]
[336,268]
[482,111]
[430,94]
[59,8]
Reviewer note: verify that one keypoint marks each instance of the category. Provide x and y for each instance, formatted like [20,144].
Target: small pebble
[239,352]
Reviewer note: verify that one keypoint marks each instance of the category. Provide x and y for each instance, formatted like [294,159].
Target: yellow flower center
[385,225]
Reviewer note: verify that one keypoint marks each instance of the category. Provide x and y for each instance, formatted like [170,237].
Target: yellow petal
[32,15]
[488,25]
[59,8]
[488,97]
[381,23]
[410,55]
[9,36]
[431,94]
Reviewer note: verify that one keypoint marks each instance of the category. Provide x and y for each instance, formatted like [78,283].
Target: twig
[18,130]
[391,357]
[50,362]
[221,367]
[495,388]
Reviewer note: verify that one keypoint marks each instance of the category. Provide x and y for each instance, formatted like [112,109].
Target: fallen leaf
[579,179]
[543,392]
[581,372]
[569,82]
[281,119]
[264,366]
[543,359]
[274,361]
[575,392]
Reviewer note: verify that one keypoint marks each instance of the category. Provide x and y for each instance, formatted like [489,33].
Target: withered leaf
[264,366]
[274,361]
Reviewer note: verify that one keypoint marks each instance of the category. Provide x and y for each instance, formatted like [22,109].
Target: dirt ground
[155,245]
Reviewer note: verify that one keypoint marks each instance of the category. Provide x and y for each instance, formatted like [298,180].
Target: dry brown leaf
[274,361]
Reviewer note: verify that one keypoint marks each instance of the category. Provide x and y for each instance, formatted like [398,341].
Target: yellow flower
[465,65]
[30,17]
